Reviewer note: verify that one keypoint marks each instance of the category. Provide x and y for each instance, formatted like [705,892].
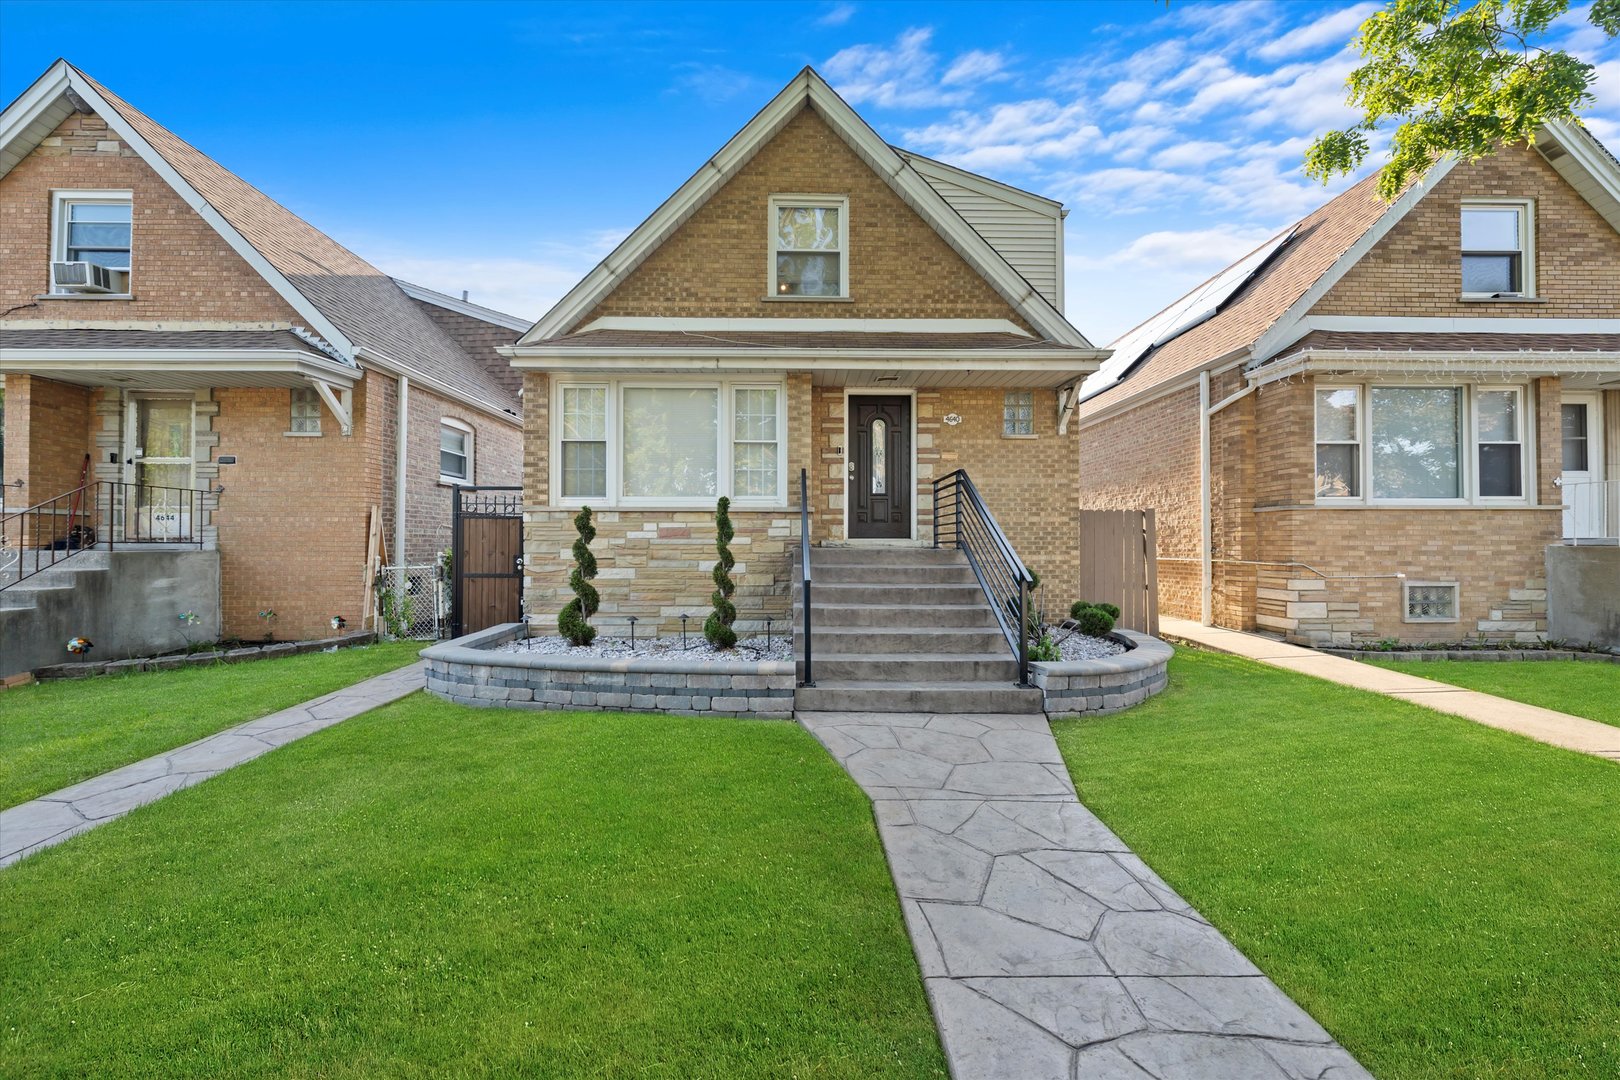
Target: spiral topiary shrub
[717,627]
[573,621]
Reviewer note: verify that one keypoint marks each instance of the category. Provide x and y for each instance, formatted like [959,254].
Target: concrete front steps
[904,629]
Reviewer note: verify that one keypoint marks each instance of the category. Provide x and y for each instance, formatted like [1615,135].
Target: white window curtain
[809,259]
[754,443]
[671,442]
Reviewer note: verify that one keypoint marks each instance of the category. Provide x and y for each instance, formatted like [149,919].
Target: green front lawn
[1442,896]
[57,733]
[1581,687]
[428,890]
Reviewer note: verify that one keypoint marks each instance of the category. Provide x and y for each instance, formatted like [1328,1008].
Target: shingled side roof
[1320,238]
[363,302]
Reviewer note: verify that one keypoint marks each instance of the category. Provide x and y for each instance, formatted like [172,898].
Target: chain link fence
[412,602]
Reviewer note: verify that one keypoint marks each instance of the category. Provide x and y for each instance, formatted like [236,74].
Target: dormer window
[90,242]
[809,247]
[1496,250]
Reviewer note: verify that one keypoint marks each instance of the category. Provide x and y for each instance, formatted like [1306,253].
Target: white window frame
[1360,442]
[1474,393]
[1467,450]
[1406,602]
[724,454]
[1526,209]
[814,202]
[606,440]
[465,428]
[60,202]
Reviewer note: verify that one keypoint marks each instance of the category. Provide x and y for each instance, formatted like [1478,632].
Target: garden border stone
[1096,687]
[1473,654]
[90,668]
[468,671]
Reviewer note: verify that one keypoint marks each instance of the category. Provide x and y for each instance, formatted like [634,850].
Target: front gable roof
[808,90]
[350,304]
[1270,313]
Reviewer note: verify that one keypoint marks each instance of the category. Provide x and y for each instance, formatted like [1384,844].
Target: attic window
[90,227]
[809,247]
[1496,250]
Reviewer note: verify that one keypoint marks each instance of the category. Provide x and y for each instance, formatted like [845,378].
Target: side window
[1018,413]
[90,242]
[306,412]
[455,452]
[1496,250]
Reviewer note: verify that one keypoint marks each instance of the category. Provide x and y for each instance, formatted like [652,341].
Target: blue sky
[503,148]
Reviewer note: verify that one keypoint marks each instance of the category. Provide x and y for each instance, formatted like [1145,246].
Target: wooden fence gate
[1119,565]
[487,558]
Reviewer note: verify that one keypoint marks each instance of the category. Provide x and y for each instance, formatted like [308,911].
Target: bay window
[1417,443]
[634,443]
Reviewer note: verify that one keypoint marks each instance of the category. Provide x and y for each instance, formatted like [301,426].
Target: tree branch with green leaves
[1457,78]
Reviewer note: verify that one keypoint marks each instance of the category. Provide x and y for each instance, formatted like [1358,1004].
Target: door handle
[852,470]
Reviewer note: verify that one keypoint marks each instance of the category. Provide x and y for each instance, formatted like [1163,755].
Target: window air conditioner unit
[87,277]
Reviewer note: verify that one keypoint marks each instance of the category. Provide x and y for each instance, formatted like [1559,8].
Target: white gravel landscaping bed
[698,650]
[1073,645]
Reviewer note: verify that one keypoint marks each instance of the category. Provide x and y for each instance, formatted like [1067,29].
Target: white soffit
[1198,306]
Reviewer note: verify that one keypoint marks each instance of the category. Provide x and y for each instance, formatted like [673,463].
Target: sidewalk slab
[1544,725]
[1046,947]
[50,819]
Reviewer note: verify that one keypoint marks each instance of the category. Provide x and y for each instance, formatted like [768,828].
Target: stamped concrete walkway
[1543,725]
[52,818]
[1048,950]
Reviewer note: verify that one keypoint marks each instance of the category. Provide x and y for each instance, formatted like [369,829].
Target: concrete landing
[50,819]
[1543,725]
[1049,950]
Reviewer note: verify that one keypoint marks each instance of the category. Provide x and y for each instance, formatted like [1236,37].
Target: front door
[1585,507]
[158,432]
[880,492]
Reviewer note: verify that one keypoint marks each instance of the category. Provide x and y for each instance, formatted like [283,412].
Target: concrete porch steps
[904,629]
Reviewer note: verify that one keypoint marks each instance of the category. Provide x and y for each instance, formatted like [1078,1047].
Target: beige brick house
[166,325]
[1375,425]
[811,299]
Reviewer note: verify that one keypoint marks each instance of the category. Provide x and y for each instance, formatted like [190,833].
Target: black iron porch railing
[102,514]
[804,558]
[962,521]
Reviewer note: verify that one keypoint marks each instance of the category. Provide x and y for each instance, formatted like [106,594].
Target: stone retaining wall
[1093,687]
[1502,655]
[468,672]
[241,655]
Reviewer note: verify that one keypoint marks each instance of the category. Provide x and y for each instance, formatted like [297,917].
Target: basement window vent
[1431,601]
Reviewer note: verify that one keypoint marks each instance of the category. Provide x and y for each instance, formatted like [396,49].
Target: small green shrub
[1111,609]
[717,627]
[1094,622]
[1045,650]
[573,621]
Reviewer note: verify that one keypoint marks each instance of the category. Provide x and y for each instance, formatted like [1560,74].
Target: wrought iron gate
[487,558]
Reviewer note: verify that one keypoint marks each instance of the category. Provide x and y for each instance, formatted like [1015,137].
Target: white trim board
[1404,324]
[807,90]
[813,326]
[464,307]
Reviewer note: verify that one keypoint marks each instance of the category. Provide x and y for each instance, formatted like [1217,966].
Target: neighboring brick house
[224,346]
[812,299]
[1396,395]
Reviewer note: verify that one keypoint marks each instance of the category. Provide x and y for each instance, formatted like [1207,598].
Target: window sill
[454,481]
[808,299]
[1486,298]
[302,434]
[1009,435]
[85,296]
[1430,622]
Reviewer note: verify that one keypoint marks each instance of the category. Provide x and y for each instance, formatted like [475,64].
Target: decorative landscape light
[632,633]
[684,617]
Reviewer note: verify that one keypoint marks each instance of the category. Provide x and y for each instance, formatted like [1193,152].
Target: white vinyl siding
[1030,240]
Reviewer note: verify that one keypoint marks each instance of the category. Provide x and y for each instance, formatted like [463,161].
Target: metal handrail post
[804,554]
[1023,631]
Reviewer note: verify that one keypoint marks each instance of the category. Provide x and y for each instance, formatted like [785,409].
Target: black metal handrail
[963,521]
[101,514]
[804,556]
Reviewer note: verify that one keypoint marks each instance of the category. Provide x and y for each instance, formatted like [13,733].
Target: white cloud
[1123,93]
[837,15]
[1194,251]
[975,66]
[527,287]
[1193,153]
[715,83]
[900,76]
[1013,133]
[1334,28]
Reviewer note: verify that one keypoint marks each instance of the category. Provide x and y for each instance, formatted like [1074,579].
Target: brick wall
[292,520]
[180,268]
[497,459]
[1416,270]
[715,264]
[46,437]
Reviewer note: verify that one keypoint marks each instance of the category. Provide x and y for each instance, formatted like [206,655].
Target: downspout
[401,441]
[1207,557]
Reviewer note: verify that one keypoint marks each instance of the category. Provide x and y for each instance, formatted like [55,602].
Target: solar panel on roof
[1196,307]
